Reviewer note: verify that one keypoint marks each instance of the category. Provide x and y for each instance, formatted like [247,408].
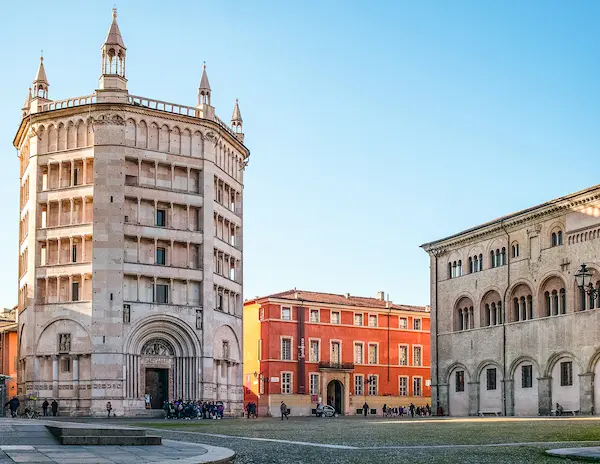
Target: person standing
[108,408]
[284,411]
[412,410]
[13,405]
[54,407]
[45,405]
[384,409]
[365,409]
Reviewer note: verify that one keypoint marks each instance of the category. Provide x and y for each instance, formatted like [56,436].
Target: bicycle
[29,414]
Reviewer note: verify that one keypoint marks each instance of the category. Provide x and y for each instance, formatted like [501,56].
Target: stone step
[88,440]
[72,431]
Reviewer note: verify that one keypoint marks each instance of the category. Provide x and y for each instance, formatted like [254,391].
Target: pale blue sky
[374,126]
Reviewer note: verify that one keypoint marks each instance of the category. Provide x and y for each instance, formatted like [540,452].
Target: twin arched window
[475,263]
[465,318]
[557,238]
[455,269]
[498,257]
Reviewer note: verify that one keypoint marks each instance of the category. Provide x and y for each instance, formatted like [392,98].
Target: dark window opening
[161,217]
[491,378]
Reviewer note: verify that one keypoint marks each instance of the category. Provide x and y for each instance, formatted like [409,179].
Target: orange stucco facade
[8,356]
[337,349]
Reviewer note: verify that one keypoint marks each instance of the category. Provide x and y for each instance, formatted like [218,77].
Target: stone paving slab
[580,454]
[29,441]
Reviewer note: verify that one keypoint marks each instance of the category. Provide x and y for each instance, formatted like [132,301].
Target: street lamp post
[368,381]
[584,282]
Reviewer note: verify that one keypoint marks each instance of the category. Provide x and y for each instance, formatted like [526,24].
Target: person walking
[412,410]
[284,411]
[365,409]
[108,408]
[54,407]
[45,405]
[13,405]
[384,409]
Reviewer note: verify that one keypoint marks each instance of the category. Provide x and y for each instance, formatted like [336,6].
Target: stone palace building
[130,247]
[511,331]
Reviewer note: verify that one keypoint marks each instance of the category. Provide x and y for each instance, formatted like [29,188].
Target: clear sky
[374,126]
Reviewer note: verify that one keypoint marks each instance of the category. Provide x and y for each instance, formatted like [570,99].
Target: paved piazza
[359,440]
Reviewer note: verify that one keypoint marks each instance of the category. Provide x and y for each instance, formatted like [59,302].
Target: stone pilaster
[545,395]
[509,395]
[473,398]
[586,393]
[441,398]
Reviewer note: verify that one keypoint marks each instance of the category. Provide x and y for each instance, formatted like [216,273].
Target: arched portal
[158,377]
[335,395]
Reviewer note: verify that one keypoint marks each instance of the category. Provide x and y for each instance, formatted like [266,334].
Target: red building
[302,347]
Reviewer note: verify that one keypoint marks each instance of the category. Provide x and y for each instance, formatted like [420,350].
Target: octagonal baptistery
[130,248]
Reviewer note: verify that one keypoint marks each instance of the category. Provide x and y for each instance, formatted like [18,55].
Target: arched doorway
[335,395]
[158,353]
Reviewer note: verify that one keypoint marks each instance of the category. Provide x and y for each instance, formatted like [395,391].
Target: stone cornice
[517,220]
[94,108]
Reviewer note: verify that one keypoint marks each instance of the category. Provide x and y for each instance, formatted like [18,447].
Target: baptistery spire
[40,83]
[204,89]
[113,58]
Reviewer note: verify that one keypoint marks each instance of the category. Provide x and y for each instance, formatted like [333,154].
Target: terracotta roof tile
[333,298]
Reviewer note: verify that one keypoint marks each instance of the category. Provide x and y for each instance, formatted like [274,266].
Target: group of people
[252,409]
[193,409]
[401,411]
[14,403]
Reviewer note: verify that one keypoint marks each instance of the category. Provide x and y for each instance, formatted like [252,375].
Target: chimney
[428,308]
[347,295]
[381,296]
[296,295]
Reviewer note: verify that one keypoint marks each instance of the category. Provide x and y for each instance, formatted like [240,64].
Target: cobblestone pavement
[29,441]
[354,440]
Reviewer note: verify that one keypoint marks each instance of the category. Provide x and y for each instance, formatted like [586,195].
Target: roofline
[265,299]
[558,203]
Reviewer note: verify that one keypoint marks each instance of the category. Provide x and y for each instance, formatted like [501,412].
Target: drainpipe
[388,334]
[436,253]
[505,315]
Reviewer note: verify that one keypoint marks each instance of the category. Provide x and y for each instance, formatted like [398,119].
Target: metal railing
[336,365]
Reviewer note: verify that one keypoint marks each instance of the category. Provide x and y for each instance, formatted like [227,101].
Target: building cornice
[316,304]
[93,108]
[519,219]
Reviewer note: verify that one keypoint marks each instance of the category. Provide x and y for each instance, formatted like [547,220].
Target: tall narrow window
[527,376]
[470,265]
[75,291]
[481,262]
[417,390]
[566,373]
[547,299]
[74,254]
[403,355]
[460,381]
[335,317]
[491,378]
[359,385]
[372,320]
[559,236]
[372,353]
[403,322]
[160,256]
[335,353]
[358,319]
[417,361]
[314,315]
[286,349]
[314,384]
[286,383]
[503,257]
[314,351]
[161,216]
[358,353]
[460,267]
[373,385]
[403,386]
[286,314]
[162,294]
[493,258]
[417,324]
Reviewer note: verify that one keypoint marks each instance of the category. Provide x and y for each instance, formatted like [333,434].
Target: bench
[565,412]
[489,412]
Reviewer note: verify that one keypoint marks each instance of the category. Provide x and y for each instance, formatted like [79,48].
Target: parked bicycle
[29,414]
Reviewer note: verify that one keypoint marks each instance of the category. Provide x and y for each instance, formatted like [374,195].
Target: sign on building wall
[301,351]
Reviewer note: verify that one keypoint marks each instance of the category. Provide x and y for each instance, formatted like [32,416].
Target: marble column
[229,386]
[75,367]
